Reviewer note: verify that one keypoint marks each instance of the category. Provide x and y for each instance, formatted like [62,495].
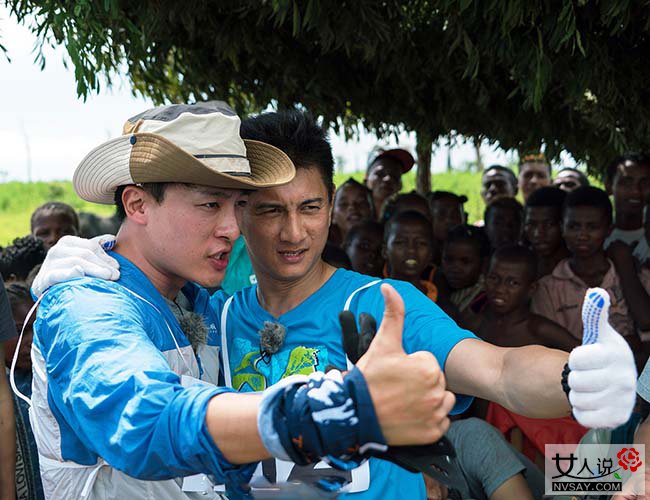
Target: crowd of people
[516,279]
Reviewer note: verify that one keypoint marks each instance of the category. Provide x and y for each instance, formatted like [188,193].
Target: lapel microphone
[272,337]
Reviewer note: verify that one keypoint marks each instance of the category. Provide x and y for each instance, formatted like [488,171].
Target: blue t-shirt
[313,342]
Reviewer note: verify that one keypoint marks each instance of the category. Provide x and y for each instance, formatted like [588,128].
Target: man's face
[585,230]
[191,232]
[51,227]
[364,252]
[351,206]
[461,264]
[502,226]
[446,213]
[567,180]
[631,187]
[496,184]
[507,285]
[384,178]
[409,249]
[286,227]
[542,228]
[532,176]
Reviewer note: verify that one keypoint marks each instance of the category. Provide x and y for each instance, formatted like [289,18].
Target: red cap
[402,156]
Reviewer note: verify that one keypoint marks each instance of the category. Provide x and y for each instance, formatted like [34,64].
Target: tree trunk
[423,151]
[479,158]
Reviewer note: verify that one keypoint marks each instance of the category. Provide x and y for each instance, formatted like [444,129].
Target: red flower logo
[628,458]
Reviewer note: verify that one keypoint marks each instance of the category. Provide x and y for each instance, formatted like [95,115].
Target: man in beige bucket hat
[125,398]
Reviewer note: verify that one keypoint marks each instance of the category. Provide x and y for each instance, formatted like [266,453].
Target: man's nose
[292,230]
[227,228]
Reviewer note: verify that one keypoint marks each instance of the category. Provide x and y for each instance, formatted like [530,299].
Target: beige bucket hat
[189,143]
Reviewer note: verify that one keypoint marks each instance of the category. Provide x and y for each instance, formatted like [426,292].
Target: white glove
[74,257]
[603,374]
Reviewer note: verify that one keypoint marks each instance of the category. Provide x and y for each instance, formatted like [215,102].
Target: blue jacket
[107,396]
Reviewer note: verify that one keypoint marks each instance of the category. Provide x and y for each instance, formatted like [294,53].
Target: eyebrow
[312,200]
[270,204]
[214,192]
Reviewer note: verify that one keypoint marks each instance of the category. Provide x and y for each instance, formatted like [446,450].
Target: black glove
[434,460]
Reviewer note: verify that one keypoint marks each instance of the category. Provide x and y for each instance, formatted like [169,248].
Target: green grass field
[18,200]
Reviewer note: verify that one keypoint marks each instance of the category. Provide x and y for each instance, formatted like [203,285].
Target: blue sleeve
[426,326]
[116,392]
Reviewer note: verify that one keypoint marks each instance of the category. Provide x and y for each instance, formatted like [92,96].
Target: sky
[46,129]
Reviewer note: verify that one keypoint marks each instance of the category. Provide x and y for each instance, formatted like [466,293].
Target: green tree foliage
[565,74]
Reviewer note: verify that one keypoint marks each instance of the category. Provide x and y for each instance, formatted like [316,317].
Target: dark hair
[518,254]
[367,225]
[392,205]
[589,196]
[582,178]
[17,293]
[506,203]
[155,189]
[55,207]
[410,216]
[512,178]
[534,158]
[297,134]
[464,233]
[547,196]
[352,182]
[21,256]
[632,157]
[434,196]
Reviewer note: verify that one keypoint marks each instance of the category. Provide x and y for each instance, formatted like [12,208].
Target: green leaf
[296,19]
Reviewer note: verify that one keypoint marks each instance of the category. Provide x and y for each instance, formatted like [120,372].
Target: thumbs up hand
[603,374]
[407,390]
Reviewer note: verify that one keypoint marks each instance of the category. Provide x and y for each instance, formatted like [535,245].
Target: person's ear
[532,288]
[12,278]
[136,201]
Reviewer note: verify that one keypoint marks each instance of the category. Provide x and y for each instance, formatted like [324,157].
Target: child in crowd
[463,262]
[363,245]
[406,202]
[28,479]
[498,181]
[586,222]
[627,179]
[507,321]
[568,179]
[503,222]
[352,205]
[534,173]
[542,227]
[19,258]
[52,220]
[447,211]
[384,174]
[408,238]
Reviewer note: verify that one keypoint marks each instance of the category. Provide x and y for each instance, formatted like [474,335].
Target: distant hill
[18,200]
